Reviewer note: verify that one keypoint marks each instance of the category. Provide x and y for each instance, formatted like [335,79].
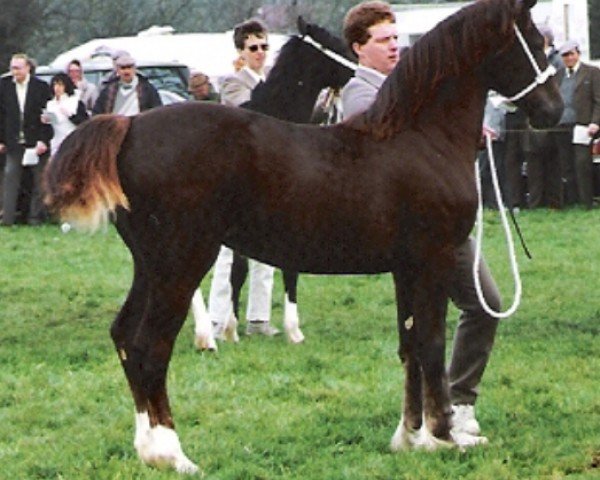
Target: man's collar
[25,82]
[255,75]
[372,71]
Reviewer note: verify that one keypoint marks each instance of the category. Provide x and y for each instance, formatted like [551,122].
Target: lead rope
[479,236]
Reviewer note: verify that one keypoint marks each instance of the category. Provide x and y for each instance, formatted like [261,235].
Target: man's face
[570,58]
[19,69]
[126,73]
[74,71]
[381,51]
[255,52]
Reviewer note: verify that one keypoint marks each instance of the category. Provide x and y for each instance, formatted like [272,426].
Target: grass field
[323,410]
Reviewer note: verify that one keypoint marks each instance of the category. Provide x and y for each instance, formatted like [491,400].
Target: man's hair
[20,56]
[362,16]
[243,30]
[74,62]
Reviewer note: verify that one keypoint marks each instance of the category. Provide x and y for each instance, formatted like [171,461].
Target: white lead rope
[330,53]
[509,239]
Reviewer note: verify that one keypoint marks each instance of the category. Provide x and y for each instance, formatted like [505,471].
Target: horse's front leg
[291,320]
[407,434]
[426,419]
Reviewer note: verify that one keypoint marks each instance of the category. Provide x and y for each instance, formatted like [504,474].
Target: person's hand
[593,129]
[485,131]
[2,148]
[44,118]
[41,148]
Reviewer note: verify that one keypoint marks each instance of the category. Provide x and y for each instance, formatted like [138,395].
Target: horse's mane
[456,45]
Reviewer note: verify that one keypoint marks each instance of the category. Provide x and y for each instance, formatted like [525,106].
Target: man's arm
[357,97]
[234,92]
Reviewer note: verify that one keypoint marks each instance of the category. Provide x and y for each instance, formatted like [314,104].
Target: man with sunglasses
[250,39]
[370,31]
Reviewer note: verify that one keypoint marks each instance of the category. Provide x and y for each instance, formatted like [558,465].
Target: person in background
[201,88]
[543,165]
[128,92]
[370,32]
[87,91]
[494,121]
[251,41]
[23,136]
[64,111]
[580,122]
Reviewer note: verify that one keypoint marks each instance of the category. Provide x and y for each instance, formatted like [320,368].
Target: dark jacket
[38,94]
[587,93]
[147,96]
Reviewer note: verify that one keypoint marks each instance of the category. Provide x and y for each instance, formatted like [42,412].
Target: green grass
[326,409]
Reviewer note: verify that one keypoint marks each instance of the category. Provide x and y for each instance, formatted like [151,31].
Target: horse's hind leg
[291,321]
[162,292]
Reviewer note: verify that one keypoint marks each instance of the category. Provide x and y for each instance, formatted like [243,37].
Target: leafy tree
[19,19]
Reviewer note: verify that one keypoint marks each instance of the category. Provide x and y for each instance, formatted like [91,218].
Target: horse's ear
[302,27]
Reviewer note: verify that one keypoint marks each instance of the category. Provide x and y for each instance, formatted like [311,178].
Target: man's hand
[593,129]
[2,148]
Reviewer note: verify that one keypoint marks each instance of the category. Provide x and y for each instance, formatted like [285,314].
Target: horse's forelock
[456,45]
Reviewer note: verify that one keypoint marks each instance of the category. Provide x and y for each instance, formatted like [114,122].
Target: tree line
[44,28]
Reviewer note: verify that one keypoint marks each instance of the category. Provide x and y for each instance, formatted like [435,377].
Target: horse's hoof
[186,466]
[205,342]
[295,335]
[422,439]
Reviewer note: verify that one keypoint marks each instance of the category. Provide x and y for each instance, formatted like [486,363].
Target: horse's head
[328,59]
[520,69]
[305,65]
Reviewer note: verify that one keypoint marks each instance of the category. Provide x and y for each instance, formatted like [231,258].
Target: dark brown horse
[391,190]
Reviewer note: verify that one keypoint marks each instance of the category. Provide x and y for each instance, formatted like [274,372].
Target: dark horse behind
[391,190]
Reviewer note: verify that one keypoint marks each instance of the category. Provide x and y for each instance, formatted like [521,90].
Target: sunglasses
[263,46]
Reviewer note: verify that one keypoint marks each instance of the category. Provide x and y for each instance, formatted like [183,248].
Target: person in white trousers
[250,39]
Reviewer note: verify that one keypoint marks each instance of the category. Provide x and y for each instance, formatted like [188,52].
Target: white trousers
[260,290]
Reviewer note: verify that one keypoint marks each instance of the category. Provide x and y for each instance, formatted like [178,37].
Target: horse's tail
[81,181]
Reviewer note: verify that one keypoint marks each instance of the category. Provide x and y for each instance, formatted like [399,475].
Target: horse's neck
[457,112]
[293,104]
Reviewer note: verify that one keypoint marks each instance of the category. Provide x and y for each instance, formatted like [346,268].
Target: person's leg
[12,180]
[476,330]
[566,155]
[584,175]
[258,311]
[36,208]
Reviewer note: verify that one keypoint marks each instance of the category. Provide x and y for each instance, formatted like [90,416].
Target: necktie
[126,86]
[570,71]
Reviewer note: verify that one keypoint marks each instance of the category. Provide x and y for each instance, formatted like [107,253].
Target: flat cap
[125,60]
[568,46]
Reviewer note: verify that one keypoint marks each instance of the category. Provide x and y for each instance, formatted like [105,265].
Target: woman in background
[64,111]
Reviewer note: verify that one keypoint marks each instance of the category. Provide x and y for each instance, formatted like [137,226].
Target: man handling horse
[370,31]
[250,39]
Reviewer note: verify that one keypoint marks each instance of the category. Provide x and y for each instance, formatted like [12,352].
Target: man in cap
[201,89]
[580,122]
[128,93]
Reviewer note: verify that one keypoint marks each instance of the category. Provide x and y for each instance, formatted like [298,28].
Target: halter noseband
[331,54]
[540,77]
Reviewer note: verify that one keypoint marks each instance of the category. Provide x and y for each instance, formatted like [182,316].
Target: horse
[389,190]
[306,65]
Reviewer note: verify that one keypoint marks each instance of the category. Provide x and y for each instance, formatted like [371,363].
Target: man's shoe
[261,328]
[464,421]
